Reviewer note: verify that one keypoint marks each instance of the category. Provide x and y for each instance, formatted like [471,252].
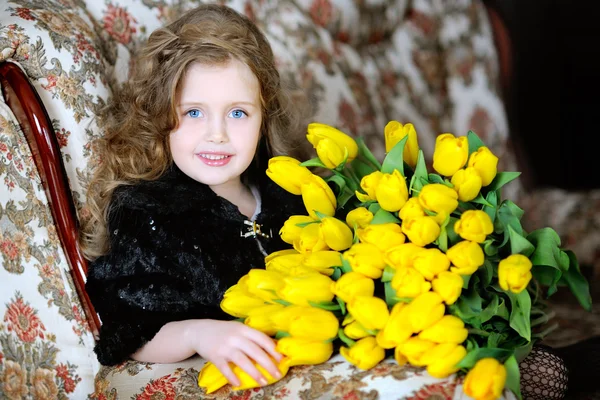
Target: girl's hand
[222,342]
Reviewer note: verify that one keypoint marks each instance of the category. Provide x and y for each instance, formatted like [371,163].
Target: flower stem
[543,319]
[478,332]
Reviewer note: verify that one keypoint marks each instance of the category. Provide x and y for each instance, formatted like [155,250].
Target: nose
[217,132]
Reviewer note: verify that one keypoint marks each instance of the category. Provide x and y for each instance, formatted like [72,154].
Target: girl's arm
[219,342]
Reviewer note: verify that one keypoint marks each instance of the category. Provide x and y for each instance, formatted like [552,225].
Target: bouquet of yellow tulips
[433,268]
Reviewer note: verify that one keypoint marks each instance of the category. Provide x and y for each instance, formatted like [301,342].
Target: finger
[241,360]
[262,358]
[228,373]
[266,343]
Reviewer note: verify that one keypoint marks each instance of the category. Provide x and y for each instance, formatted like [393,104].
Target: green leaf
[501,179]
[384,217]
[344,197]
[342,304]
[420,175]
[339,180]
[486,273]
[337,273]
[388,274]
[320,215]
[373,208]
[394,160]
[484,352]
[362,168]
[481,200]
[490,310]
[346,267]
[282,302]
[325,305]
[523,351]
[577,283]
[281,335]
[453,237]
[313,162]
[474,142]
[364,153]
[518,244]
[520,319]
[390,294]
[548,276]
[347,341]
[435,178]
[513,376]
[547,242]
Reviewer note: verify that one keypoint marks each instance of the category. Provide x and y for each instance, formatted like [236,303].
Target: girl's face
[220,118]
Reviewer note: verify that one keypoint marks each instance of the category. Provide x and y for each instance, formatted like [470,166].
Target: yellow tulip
[485,163]
[438,198]
[290,230]
[354,330]
[391,192]
[394,132]
[486,380]
[210,378]
[514,273]
[315,324]
[279,253]
[311,239]
[402,256]
[318,196]
[304,351]
[371,312]
[369,184]
[421,230]
[318,132]
[247,382]
[288,173]
[365,353]
[289,270]
[336,233]
[283,262]
[414,349]
[359,217]
[467,183]
[466,257]
[408,282]
[474,225]
[322,261]
[306,322]
[442,359]
[366,259]
[263,284]
[449,329]
[448,285]
[330,153]
[239,302]
[450,153]
[398,328]
[352,284]
[431,262]
[260,318]
[384,236]
[411,209]
[302,289]
[425,310]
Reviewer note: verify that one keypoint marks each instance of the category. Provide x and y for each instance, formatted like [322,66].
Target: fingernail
[263,381]
[277,375]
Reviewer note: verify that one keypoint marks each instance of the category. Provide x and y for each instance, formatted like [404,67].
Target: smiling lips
[214,159]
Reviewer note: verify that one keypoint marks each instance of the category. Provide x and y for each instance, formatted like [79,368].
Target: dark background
[553,98]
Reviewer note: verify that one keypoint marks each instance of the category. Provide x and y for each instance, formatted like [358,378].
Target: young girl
[180,184]
[179,193]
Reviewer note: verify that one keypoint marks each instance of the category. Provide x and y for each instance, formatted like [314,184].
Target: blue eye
[238,114]
[195,113]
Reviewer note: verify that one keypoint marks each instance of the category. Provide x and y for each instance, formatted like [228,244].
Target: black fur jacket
[175,248]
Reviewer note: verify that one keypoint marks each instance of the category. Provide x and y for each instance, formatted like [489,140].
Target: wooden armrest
[31,114]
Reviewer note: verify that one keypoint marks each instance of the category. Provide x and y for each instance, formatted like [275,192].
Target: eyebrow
[199,103]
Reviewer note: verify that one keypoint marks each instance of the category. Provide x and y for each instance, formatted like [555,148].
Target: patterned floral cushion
[361,63]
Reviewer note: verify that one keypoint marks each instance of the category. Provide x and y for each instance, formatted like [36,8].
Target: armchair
[361,64]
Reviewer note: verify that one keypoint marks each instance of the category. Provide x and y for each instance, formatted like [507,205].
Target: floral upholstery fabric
[360,63]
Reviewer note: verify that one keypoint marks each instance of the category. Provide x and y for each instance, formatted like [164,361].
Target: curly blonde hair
[142,113]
